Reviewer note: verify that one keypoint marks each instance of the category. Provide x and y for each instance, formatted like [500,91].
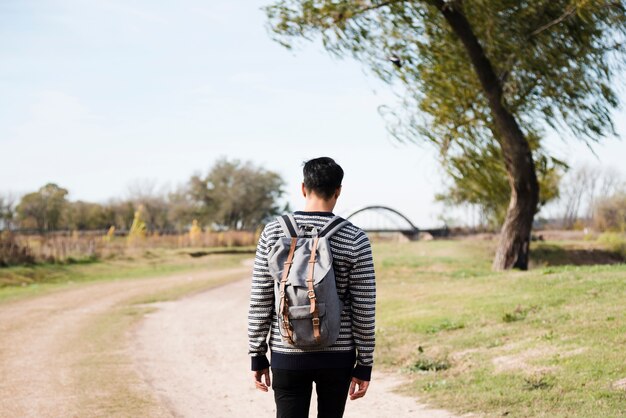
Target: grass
[24,281]
[107,384]
[546,342]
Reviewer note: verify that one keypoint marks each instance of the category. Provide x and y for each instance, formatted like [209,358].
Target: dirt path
[89,351]
[193,353]
[61,354]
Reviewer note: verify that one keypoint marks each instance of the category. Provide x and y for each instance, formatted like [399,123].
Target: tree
[7,210]
[83,215]
[236,195]
[479,179]
[181,210]
[609,212]
[580,189]
[120,213]
[487,72]
[154,202]
[44,207]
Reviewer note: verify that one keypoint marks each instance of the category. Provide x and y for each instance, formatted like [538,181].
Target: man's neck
[319,205]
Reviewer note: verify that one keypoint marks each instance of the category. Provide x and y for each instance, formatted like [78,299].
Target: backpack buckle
[316,321]
[311,294]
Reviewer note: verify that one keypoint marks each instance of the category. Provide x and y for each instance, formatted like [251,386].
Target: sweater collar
[314,213]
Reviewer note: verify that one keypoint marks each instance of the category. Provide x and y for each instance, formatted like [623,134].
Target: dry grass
[87,246]
[107,384]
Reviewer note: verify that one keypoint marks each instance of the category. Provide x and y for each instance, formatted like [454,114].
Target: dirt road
[193,353]
[90,351]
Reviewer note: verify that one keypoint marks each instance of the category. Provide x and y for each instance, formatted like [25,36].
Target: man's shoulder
[272,228]
[351,231]
[348,231]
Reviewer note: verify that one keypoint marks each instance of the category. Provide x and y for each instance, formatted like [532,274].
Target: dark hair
[322,176]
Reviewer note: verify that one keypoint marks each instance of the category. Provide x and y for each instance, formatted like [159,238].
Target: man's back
[354,274]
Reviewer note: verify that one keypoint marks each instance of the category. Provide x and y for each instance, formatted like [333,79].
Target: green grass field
[549,342]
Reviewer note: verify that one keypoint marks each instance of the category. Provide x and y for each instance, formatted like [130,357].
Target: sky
[100,95]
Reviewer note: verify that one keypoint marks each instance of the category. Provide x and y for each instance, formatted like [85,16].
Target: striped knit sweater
[354,274]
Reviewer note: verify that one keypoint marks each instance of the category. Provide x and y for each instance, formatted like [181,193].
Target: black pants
[292,392]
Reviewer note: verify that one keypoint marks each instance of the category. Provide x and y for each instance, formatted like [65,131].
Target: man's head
[322,177]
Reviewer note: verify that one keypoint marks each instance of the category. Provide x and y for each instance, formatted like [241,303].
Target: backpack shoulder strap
[289,225]
[334,225]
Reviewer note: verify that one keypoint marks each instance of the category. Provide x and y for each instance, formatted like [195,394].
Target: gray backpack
[305,293]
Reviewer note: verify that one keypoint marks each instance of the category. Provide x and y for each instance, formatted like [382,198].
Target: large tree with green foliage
[44,208]
[481,73]
[236,195]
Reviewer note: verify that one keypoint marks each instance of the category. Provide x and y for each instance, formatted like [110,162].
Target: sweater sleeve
[261,306]
[362,285]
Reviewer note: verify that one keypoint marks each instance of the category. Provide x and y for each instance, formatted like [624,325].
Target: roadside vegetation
[545,342]
[22,281]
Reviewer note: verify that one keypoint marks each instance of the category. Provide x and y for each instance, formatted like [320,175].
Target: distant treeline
[231,196]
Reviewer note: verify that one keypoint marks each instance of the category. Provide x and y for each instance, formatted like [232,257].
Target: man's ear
[337,192]
[303,190]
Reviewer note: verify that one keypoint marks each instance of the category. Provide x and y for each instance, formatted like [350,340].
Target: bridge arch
[400,224]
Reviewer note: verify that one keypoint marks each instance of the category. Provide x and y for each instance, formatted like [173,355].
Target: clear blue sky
[96,95]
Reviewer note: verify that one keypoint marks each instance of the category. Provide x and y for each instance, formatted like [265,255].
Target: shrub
[519,313]
[429,364]
[614,242]
[138,228]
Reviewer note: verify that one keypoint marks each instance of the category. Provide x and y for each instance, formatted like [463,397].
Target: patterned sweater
[354,274]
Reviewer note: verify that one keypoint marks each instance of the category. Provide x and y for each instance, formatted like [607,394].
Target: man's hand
[362,384]
[258,381]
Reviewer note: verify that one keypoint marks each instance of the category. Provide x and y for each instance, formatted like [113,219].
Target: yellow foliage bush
[195,233]
[138,228]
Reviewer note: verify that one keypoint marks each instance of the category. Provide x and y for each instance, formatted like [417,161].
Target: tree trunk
[513,246]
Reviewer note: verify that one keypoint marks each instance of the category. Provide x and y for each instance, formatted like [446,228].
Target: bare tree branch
[570,11]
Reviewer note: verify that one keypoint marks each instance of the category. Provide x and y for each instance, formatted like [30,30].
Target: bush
[614,242]
[429,364]
[519,313]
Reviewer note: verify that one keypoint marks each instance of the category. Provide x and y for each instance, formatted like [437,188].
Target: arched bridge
[385,219]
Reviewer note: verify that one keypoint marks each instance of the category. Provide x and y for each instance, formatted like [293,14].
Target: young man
[344,367]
